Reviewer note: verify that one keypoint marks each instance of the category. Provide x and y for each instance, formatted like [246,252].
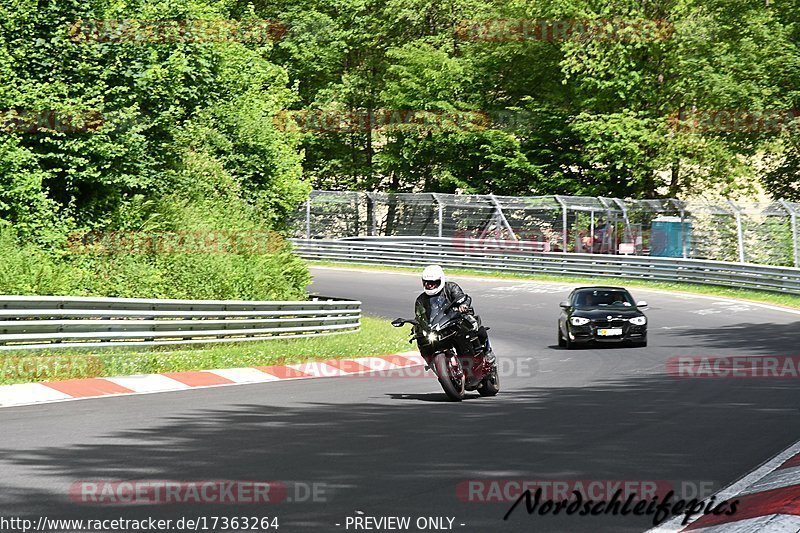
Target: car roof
[600,288]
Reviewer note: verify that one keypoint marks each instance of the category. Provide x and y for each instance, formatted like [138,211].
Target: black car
[602,314]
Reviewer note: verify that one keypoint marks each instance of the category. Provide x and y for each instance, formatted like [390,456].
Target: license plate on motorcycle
[609,332]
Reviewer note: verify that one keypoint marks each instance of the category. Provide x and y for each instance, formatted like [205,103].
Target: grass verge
[376,337]
[786,300]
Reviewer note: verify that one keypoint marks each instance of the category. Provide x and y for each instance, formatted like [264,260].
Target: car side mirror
[641,304]
[565,304]
[398,322]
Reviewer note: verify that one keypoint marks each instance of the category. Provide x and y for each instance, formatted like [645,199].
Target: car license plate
[609,332]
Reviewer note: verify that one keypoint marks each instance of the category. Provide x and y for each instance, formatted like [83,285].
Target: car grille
[613,323]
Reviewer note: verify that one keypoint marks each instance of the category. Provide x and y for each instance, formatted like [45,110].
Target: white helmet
[433,280]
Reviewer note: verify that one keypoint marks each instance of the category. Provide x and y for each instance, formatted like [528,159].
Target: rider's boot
[489,355]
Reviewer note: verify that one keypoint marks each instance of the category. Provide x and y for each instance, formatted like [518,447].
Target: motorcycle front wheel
[452,383]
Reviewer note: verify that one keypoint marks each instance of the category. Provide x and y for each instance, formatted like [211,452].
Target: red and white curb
[768,500]
[79,389]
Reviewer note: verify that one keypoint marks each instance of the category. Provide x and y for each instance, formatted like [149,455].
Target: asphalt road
[396,447]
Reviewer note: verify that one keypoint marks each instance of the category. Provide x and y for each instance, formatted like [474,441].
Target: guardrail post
[441,218]
[739,230]
[441,211]
[793,215]
[564,232]
[684,243]
[357,211]
[682,211]
[625,220]
[794,240]
[609,218]
[308,218]
[370,215]
[502,216]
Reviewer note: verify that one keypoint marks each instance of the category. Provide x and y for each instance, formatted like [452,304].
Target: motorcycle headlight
[432,337]
[579,321]
[638,321]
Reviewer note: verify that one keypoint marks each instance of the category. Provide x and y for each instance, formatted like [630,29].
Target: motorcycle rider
[438,292]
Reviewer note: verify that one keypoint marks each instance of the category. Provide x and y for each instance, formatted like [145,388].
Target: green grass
[376,337]
[786,300]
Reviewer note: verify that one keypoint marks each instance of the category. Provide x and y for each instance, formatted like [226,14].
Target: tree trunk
[675,179]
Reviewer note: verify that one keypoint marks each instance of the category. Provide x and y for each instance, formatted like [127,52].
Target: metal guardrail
[512,256]
[69,322]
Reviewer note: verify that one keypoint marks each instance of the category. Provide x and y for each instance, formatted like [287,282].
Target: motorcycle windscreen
[438,319]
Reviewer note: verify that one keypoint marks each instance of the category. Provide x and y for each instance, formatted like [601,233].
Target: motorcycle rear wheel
[453,386]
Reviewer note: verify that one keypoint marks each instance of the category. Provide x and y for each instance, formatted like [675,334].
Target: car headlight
[579,321]
[639,321]
[432,337]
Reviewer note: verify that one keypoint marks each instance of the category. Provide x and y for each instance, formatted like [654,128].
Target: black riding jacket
[452,293]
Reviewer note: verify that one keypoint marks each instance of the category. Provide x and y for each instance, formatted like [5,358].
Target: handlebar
[449,306]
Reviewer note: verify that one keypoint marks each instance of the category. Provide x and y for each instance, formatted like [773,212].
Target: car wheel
[568,344]
[561,341]
[640,344]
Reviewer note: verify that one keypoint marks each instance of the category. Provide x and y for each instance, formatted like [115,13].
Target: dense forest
[160,117]
[594,108]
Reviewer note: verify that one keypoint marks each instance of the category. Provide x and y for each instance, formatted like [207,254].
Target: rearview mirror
[641,304]
[397,322]
[565,304]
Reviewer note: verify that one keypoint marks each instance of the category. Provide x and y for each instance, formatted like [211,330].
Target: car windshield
[602,298]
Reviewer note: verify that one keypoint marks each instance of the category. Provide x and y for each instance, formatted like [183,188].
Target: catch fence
[757,232]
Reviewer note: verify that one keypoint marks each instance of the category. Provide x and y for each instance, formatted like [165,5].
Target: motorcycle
[454,352]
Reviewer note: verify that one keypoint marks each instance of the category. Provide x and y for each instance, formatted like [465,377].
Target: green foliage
[593,115]
[192,273]
[185,144]
[29,270]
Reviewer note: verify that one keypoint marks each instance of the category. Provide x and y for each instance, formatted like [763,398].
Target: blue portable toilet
[665,237]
